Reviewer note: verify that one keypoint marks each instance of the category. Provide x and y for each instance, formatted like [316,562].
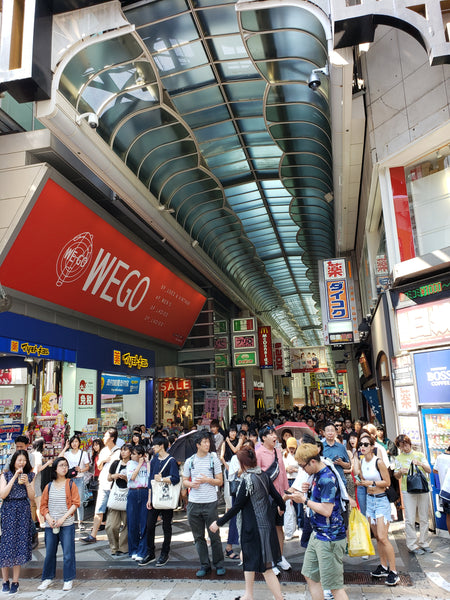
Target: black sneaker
[380,571]
[162,560]
[147,560]
[392,578]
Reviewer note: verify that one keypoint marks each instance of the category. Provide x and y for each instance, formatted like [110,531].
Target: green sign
[220,326]
[245,359]
[222,360]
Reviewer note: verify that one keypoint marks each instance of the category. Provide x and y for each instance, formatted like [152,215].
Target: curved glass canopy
[209,106]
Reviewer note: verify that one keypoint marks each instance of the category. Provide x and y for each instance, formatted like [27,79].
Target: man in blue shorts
[323,566]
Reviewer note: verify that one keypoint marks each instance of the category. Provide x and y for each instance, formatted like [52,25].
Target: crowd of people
[267,467]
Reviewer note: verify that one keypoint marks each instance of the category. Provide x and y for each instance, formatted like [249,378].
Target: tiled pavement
[423,577]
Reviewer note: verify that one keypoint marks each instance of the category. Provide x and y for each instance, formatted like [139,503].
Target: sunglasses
[365,444]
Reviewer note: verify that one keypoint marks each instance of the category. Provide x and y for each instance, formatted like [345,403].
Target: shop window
[428,186]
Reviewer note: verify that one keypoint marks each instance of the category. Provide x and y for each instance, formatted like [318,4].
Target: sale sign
[77,260]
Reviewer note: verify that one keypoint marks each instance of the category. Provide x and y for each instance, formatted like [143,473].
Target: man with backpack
[323,566]
[202,474]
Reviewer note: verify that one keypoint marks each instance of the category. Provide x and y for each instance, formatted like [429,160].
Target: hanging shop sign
[10,432]
[312,359]
[220,327]
[243,389]
[222,360]
[241,342]
[279,367]
[337,300]
[405,399]
[433,376]
[245,359]
[240,325]
[265,347]
[88,266]
[119,384]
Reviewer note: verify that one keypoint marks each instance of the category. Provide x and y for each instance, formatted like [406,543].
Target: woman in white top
[38,467]
[375,478]
[79,460]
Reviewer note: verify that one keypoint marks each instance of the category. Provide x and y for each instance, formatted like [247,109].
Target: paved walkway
[424,577]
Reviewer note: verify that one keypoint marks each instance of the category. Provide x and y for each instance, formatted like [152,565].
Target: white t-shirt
[302,477]
[141,480]
[442,466]
[73,458]
[196,466]
[104,453]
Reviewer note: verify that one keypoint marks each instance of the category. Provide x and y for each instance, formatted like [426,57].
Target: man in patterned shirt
[323,566]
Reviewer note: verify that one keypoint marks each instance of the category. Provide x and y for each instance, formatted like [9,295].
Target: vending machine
[436,426]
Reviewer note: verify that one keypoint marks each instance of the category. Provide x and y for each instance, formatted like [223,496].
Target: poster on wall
[433,376]
[409,425]
[311,359]
[86,388]
[405,399]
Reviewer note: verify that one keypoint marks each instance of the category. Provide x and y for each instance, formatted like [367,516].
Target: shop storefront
[175,402]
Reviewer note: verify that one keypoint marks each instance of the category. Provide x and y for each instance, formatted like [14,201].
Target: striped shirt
[196,466]
[57,504]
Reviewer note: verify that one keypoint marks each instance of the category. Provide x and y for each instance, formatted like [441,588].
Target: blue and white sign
[433,376]
[119,384]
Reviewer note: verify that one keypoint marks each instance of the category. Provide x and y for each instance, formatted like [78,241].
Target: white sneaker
[328,595]
[46,583]
[138,558]
[133,556]
[276,570]
[283,564]
[67,586]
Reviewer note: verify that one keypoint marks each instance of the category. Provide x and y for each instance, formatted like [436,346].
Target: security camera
[91,118]
[314,81]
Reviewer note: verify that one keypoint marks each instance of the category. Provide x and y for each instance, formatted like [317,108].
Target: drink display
[437,433]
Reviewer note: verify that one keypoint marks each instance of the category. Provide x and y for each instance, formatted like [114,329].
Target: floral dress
[17,534]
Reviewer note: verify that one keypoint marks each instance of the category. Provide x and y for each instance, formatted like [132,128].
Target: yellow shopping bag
[359,542]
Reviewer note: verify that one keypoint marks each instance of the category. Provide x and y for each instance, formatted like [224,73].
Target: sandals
[231,554]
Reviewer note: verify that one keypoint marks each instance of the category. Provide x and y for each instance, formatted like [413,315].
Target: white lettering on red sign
[131,296]
[180,384]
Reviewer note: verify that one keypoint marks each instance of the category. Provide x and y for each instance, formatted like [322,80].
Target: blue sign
[119,384]
[433,376]
[30,349]
[372,398]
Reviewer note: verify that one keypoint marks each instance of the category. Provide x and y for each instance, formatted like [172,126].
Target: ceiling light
[194,243]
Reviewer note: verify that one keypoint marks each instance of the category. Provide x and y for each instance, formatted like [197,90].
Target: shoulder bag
[72,472]
[274,470]
[165,496]
[416,482]
[117,499]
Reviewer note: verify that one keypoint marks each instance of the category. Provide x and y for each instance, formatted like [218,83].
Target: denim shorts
[102,501]
[378,507]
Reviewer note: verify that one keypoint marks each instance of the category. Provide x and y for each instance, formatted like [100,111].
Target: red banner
[265,347]
[68,255]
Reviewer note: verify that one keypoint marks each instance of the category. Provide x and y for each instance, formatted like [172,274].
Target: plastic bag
[290,520]
[359,542]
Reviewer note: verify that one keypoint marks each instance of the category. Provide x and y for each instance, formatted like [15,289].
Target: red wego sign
[81,262]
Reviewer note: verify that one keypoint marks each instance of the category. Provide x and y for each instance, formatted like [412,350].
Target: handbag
[234,486]
[72,472]
[165,496]
[274,470]
[416,482]
[359,542]
[117,499]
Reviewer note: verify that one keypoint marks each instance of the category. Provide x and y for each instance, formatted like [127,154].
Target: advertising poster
[241,342]
[409,425]
[245,359]
[311,359]
[433,376]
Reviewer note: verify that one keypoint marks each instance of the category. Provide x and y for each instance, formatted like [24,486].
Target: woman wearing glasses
[375,478]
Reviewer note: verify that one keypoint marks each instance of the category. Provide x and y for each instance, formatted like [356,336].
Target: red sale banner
[76,259]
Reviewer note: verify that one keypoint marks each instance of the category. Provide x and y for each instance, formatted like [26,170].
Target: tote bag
[416,482]
[117,499]
[165,496]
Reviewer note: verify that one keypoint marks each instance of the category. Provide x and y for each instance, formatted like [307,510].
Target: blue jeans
[66,536]
[137,521]
[79,482]
[361,493]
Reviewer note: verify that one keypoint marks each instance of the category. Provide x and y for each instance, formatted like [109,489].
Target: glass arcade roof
[209,106]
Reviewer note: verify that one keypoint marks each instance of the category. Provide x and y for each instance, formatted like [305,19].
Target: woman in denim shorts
[375,478]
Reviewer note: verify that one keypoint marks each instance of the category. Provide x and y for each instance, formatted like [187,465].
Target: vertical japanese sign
[243,389]
[337,295]
[279,365]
